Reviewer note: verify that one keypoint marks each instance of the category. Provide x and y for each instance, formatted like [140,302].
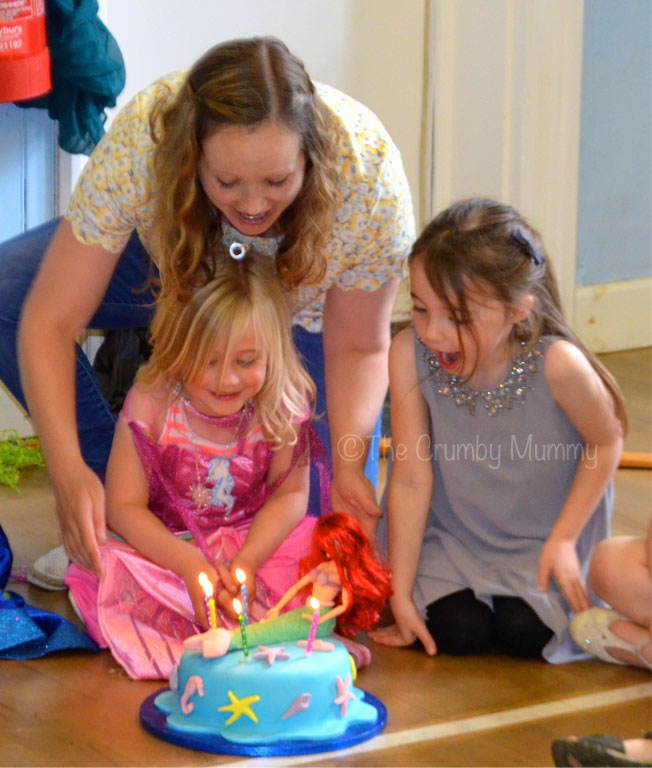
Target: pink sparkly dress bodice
[201,489]
[196,486]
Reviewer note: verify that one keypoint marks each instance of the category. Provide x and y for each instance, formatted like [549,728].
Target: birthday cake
[283,685]
[279,693]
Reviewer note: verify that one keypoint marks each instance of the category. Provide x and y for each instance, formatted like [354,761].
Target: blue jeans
[125,305]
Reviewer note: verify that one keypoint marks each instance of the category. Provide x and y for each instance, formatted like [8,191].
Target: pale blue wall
[27,169]
[615,184]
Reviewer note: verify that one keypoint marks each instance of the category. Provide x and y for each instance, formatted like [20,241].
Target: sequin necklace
[234,421]
[503,396]
[220,494]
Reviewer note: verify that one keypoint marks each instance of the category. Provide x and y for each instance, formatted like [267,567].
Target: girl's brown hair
[247,83]
[244,294]
[484,244]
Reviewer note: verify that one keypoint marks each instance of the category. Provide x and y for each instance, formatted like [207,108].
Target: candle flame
[240,575]
[314,603]
[205,584]
[237,606]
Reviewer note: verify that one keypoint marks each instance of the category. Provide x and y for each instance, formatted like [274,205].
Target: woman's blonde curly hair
[242,82]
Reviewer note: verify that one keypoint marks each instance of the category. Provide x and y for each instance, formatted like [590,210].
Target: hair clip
[237,251]
[534,253]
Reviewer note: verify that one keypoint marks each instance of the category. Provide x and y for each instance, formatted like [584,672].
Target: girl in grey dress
[506,436]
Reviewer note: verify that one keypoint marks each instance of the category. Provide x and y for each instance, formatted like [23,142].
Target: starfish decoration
[343,693]
[271,654]
[200,495]
[239,707]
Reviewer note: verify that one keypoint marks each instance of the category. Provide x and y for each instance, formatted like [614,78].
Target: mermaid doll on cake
[342,572]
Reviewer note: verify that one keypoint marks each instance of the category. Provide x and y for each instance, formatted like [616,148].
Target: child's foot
[611,637]
[49,570]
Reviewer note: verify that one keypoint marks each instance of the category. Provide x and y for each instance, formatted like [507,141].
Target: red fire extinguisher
[24,55]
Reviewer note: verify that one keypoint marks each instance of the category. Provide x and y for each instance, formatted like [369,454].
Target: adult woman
[242,147]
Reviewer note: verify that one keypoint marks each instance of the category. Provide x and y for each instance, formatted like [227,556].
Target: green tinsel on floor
[16,453]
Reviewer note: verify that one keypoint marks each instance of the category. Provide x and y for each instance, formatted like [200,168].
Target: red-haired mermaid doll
[342,564]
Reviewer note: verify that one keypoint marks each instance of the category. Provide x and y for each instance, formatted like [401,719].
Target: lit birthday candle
[314,604]
[237,607]
[241,576]
[208,599]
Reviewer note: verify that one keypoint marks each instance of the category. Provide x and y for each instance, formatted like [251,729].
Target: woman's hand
[559,559]
[409,627]
[80,508]
[354,494]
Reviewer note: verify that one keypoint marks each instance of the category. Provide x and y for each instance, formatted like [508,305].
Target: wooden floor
[75,709]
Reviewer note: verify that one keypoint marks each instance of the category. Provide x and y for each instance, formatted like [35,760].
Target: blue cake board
[155,721]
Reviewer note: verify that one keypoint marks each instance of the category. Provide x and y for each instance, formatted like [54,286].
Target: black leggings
[462,624]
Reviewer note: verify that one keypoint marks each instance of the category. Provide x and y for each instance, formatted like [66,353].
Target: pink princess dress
[203,490]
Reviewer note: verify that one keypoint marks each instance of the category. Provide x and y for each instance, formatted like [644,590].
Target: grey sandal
[599,750]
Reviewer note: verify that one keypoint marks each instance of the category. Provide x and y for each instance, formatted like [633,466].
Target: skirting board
[615,316]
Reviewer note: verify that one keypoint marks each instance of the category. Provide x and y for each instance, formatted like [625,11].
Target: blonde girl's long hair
[486,244]
[246,83]
[244,294]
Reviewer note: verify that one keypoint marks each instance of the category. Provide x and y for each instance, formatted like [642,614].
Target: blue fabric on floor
[27,632]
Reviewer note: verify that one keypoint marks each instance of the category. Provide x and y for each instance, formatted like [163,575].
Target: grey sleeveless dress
[503,461]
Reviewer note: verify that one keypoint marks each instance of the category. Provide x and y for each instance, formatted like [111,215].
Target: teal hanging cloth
[88,73]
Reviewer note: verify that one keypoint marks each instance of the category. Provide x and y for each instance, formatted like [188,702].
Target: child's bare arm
[294,590]
[280,514]
[581,394]
[127,513]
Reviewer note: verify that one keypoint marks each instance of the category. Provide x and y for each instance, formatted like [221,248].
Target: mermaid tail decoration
[287,627]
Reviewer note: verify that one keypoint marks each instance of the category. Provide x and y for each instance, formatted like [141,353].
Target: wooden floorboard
[79,709]
[509,745]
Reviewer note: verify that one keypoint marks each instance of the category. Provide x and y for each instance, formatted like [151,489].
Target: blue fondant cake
[276,694]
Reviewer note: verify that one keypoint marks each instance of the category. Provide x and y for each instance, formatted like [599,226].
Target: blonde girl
[208,472]
[507,433]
